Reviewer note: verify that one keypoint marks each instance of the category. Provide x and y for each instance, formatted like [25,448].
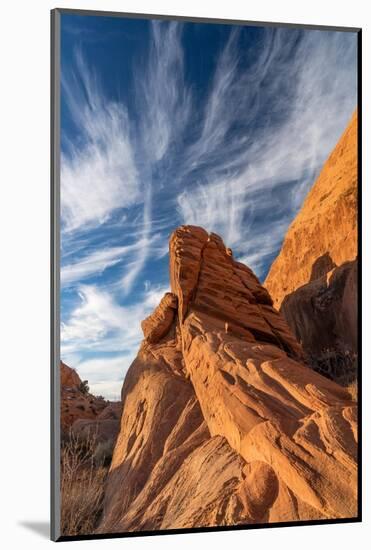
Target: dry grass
[82,486]
[353,390]
[340,366]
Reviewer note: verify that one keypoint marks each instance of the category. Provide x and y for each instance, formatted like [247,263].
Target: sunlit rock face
[222,421]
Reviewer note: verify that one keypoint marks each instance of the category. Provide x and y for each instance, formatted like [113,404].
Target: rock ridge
[222,422]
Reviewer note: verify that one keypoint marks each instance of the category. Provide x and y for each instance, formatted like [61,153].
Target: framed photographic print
[206,355]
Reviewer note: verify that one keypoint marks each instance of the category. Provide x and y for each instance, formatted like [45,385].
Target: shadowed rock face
[222,423]
[323,313]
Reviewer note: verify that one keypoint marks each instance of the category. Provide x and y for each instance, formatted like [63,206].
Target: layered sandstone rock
[69,377]
[324,233]
[222,423]
[253,390]
[83,413]
[164,447]
[76,403]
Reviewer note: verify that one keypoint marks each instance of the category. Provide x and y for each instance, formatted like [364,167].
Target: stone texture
[161,425]
[159,322]
[98,430]
[75,403]
[324,233]
[83,413]
[222,423]
[254,391]
[323,313]
[104,427]
[69,377]
[224,290]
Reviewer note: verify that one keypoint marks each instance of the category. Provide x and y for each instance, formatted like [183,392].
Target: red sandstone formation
[84,413]
[222,423]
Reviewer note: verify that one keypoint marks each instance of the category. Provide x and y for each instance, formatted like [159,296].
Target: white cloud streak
[112,164]
[105,375]
[99,316]
[165,108]
[216,206]
[97,262]
[143,250]
[245,170]
[99,173]
[164,97]
[99,324]
[261,246]
[258,130]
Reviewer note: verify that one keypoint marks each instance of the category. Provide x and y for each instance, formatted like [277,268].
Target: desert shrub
[353,390]
[82,486]
[340,366]
[84,387]
[103,453]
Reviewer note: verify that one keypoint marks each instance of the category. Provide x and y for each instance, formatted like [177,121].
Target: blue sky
[165,123]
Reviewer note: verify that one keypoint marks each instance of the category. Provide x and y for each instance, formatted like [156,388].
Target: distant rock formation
[84,413]
[222,423]
[314,277]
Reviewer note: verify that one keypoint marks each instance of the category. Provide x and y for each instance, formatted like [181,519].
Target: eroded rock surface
[83,413]
[254,391]
[75,402]
[222,423]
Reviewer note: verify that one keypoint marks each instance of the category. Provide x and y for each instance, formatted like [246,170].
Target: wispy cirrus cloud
[98,172]
[163,96]
[218,206]
[262,246]
[164,104]
[111,165]
[236,158]
[234,99]
[309,100]
[98,261]
[99,324]
[144,238]
[99,315]
[96,316]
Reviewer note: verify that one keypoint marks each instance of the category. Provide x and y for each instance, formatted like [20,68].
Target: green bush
[84,387]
